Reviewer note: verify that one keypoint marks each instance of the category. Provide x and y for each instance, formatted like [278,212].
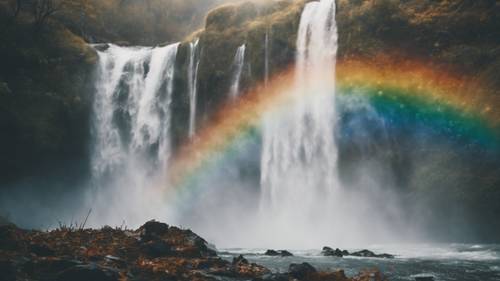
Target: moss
[46,105]
[227,28]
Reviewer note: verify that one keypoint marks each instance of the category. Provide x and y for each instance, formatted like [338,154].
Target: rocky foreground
[155,251]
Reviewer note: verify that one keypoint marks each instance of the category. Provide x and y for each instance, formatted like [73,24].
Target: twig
[85,222]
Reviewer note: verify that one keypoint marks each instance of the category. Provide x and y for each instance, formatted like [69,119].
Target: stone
[41,250]
[240,260]
[329,252]
[101,47]
[369,254]
[301,271]
[10,238]
[157,248]
[280,253]
[153,228]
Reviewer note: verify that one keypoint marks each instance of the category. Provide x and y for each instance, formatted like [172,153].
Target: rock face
[155,251]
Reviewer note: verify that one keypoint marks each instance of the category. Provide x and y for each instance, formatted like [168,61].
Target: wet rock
[157,248]
[370,275]
[101,47]
[370,254]
[280,253]
[329,252]
[239,260]
[41,250]
[89,272]
[301,271]
[153,229]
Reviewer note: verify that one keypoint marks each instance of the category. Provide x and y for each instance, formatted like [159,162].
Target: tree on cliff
[42,10]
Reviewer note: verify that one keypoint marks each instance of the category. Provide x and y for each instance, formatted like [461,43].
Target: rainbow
[442,99]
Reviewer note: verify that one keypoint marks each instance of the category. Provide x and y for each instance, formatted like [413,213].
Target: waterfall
[239,62]
[131,127]
[299,178]
[266,58]
[194,62]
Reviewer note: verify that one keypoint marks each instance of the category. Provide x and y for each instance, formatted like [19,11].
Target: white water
[131,131]
[194,62]
[299,159]
[239,62]
[266,59]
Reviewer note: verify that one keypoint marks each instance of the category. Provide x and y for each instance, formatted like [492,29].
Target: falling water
[299,159]
[266,58]
[239,62]
[131,129]
[194,63]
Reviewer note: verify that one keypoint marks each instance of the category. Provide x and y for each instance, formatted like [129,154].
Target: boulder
[101,47]
[370,275]
[369,254]
[10,238]
[301,271]
[239,260]
[279,253]
[153,229]
[41,250]
[157,248]
[329,252]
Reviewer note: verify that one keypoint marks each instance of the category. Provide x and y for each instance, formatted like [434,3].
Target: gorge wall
[47,86]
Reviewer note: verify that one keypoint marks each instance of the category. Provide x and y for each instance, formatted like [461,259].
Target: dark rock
[329,252]
[7,271]
[41,250]
[280,253]
[10,237]
[385,256]
[89,272]
[58,265]
[152,229]
[101,47]
[285,253]
[301,271]
[370,254]
[240,260]
[271,253]
[364,253]
[157,248]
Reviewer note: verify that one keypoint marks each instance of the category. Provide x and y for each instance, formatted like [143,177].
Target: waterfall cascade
[266,58]
[239,62]
[131,125]
[299,155]
[194,62]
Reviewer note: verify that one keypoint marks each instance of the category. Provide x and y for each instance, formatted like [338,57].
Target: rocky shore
[155,251]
